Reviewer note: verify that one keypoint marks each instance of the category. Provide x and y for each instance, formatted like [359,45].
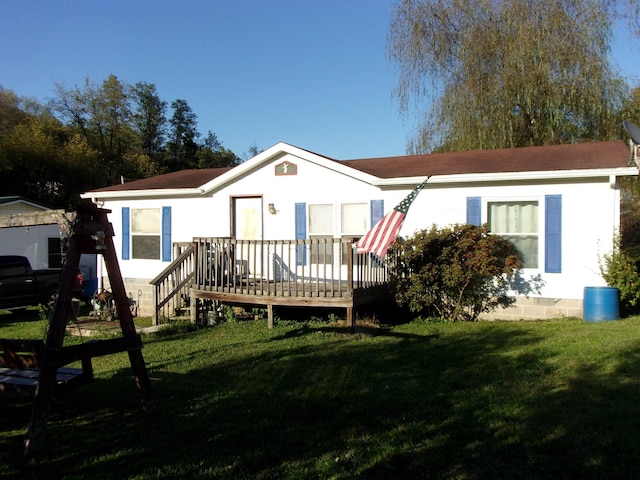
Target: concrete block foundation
[537,309]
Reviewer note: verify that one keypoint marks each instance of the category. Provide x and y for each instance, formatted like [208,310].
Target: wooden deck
[312,273]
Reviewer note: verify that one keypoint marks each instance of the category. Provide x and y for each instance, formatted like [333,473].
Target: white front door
[247,217]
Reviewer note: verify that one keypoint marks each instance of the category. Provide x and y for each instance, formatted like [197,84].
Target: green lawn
[503,400]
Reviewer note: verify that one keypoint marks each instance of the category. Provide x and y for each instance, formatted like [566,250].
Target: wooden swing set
[88,231]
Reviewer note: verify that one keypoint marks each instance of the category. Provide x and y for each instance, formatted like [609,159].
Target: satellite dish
[633,130]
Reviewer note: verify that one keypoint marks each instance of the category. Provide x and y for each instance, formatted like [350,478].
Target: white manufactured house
[559,204]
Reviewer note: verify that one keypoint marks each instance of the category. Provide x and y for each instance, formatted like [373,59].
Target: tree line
[95,135]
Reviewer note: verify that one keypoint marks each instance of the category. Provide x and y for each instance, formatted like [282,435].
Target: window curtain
[514,217]
[517,222]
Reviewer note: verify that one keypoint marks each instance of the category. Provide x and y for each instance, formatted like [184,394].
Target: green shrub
[457,272]
[619,270]
[228,313]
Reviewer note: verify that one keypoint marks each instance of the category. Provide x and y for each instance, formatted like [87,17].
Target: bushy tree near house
[619,269]
[457,272]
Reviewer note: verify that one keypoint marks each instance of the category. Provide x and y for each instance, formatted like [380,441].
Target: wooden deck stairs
[172,286]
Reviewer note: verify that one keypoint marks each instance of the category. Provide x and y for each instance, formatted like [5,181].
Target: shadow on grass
[19,316]
[314,403]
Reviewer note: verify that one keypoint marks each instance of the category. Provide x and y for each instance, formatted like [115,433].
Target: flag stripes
[378,239]
[384,233]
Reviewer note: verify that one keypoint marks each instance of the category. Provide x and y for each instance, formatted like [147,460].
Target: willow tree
[507,73]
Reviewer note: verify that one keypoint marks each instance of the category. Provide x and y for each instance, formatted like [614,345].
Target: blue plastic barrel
[601,304]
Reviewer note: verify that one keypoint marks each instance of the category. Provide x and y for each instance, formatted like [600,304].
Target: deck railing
[323,267]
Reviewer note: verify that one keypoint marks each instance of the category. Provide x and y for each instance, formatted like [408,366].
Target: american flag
[385,232]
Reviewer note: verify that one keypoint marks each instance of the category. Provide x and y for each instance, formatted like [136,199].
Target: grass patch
[32,323]
[499,400]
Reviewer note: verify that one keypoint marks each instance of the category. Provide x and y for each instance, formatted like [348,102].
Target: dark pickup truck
[21,286]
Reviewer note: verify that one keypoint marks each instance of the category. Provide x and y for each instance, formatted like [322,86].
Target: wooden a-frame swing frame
[88,231]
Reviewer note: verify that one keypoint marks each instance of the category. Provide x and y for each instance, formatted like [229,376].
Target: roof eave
[164,192]
[508,176]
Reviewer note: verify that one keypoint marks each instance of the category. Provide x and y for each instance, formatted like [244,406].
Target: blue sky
[306,72]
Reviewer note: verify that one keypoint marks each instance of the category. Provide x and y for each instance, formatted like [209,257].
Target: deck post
[194,304]
[350,284]
[350,317]
[350,271]
[154,312]
[270,316]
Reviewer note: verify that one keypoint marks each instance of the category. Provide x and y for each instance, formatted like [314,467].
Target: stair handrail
[183,262]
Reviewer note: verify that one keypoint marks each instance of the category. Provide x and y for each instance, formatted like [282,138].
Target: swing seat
[19,368]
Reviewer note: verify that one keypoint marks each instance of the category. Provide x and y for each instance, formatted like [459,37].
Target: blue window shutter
[126,233]
[553,234]
[474,213]
[377,211]
[301,231]
[166,234]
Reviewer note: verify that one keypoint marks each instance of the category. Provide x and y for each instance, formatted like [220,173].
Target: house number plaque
[286,168]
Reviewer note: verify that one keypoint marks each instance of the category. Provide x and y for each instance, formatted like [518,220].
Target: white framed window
[145,233]
[321,219]
[325,226]
[354,217]
[321,228]
[517,221]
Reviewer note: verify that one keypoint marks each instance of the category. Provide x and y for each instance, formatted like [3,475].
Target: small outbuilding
[41,244]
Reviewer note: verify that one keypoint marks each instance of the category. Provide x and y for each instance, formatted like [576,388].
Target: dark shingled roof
[182,179]
[526,159]
[15,198]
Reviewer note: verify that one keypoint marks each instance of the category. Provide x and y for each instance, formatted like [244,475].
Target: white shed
[559,204]
[41,244]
